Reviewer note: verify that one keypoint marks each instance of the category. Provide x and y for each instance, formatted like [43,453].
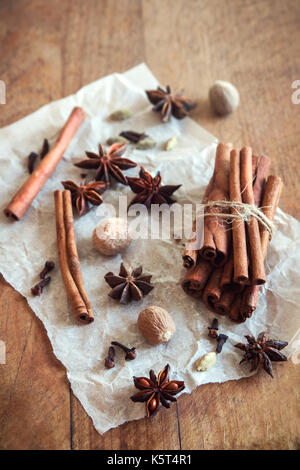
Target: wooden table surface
[48,50]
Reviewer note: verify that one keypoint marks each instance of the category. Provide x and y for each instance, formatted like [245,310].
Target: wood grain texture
[49,49]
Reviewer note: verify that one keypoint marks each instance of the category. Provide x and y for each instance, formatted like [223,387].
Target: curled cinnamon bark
[222,307]
[234,313]
[196,278]
[72,252]
[258,276]
[269,205]
[212,291]
[226,278]
[261,174]
[26,194]
[239,242]
[190,254]
[216,234]
[68,258]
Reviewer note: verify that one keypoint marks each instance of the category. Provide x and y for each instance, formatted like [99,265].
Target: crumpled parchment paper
[26,245]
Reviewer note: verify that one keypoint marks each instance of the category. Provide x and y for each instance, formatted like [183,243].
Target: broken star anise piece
[85,194]
[168,104]
[128,286]
[149,190]
[262,350]
[155,390]
[108,164]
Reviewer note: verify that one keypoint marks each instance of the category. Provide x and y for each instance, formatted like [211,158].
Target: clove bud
[213,329]
[130,352]
[38,288]
[45,149]
[49,265]
[110,359]
[31,161]
[133,136]
[221,341]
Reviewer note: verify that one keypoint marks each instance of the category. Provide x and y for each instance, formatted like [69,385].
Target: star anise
[155,390]
[128,286]
[108,164]
[169,104]
[149,190]
[262,350]
[85,194]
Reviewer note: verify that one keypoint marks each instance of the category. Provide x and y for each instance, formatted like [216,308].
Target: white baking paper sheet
[26,245]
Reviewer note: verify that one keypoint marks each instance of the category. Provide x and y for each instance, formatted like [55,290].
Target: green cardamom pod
[117,140]
[206,362]
[171,143]
[121,115]
[145,144]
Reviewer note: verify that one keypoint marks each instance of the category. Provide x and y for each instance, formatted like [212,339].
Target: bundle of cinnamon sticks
[228,269]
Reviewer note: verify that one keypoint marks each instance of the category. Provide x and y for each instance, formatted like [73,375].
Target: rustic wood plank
[49,50]
[253,413]
[161,433]
[34,391]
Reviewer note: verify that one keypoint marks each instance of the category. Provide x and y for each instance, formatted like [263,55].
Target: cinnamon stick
[261,174]
[269,205]
[73,258]
[67,253]
[234,313]
[239,242]
[196,278]
[222,307]
[29,190]
[212,291]
[258,276]
[226,278]
[216,234]
[190,254]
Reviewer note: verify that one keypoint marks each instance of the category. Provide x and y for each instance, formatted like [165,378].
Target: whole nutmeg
[111,236]
[156,325]
[224,97]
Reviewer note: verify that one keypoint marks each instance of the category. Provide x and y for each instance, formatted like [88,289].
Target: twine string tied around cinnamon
[242,211]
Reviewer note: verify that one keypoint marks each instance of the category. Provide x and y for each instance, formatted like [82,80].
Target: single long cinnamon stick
[73,258]
[222,307]
[239,241]
[269,205]
[234,313]
[190,254]
[261,174]
[212,291]
[79,307]
[26,194]
[226,278]
[258,276]
[195,278]
[216,234]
